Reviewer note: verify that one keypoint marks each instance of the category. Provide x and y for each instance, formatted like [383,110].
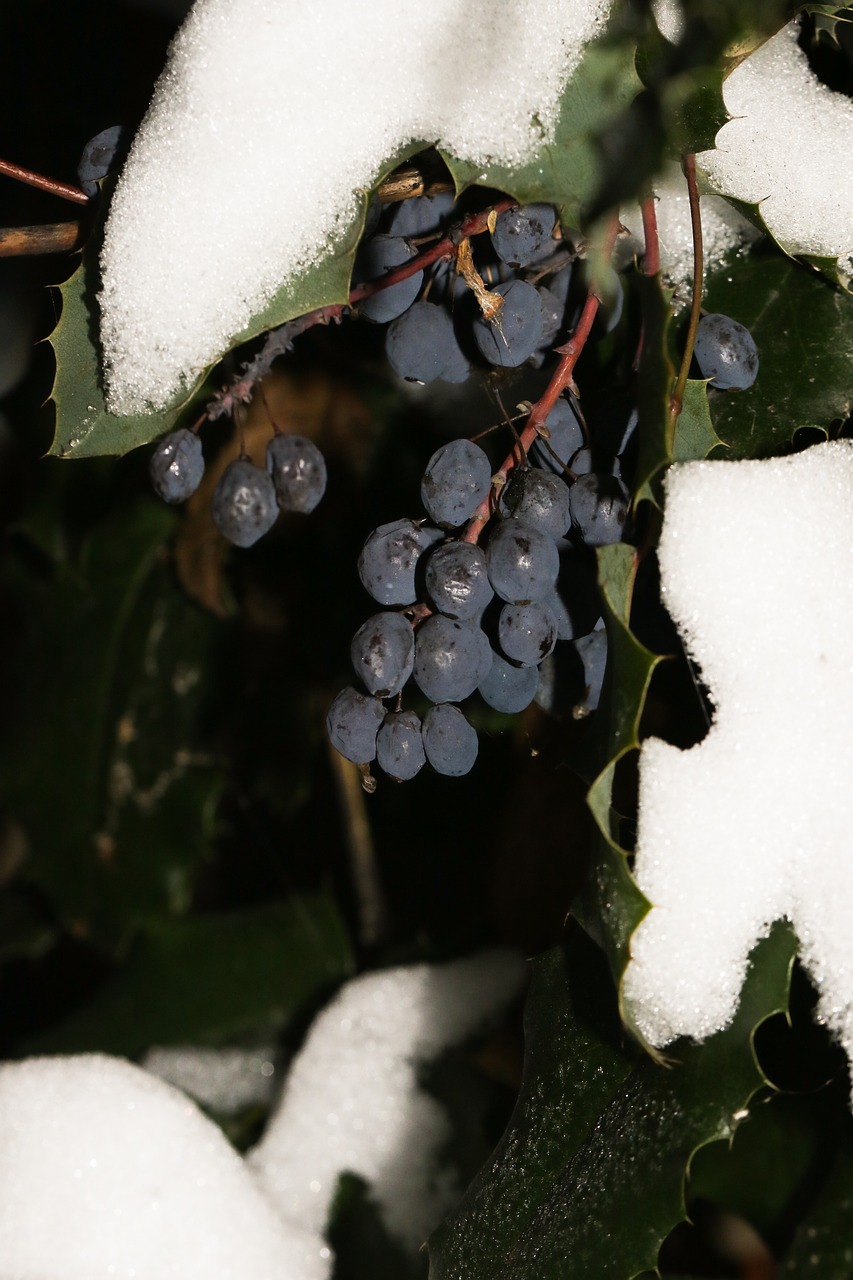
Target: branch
[53,237]
[63,189]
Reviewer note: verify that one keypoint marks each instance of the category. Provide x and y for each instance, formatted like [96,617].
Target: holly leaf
[210,979]
[695,437]
[822,1245]
[803,329]
[589,1177]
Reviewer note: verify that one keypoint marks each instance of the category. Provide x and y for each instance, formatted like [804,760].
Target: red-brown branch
[651,258]
[51,237]
[63,189]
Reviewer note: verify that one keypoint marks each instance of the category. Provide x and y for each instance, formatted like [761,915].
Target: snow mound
[107,1172]
[225,1080]
[351,1100]
[268,121]
[753,823]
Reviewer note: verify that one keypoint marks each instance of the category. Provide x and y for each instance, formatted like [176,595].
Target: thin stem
[651,258]
[688,164]
[63,189]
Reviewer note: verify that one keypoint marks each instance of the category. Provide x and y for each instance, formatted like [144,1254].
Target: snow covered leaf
[780,151]
[210,979]
[569,169]
[756,572]
[84,426]
[190,254]
[597,1120]
[803,329]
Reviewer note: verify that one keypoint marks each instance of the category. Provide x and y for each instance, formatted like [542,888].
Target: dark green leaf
[589,1178]
[206,980]
[823,1244]
[108,700]
[803,328]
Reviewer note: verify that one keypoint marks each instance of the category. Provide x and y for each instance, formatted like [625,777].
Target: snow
[107,1171]
[269,121]
[783,150]
[352,1102]
[724,230]
[224,1080]
[753,823]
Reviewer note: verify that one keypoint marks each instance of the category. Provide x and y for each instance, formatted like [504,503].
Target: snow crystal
[351,1100]
[225,1080]
[107,1172]
[267,122]
[786,149]
[753,823]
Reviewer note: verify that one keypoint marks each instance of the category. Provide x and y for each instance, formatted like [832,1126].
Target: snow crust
[268,121]
[784,150]
[107,1171]
[752,824]
[352,1102]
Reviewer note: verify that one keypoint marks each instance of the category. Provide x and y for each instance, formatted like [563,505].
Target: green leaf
[803,329]
[589,1178]
[695,437]
[112,673]
[762,1173]
[210,979]
[823,1244]
[569,171]
[611,905]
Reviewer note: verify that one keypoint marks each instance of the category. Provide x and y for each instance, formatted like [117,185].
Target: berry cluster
[470,618]
[247,500]
[477,594]
[483,314]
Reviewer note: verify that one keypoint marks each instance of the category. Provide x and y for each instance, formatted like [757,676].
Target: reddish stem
[63,189]
[651,260]
[562,378]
